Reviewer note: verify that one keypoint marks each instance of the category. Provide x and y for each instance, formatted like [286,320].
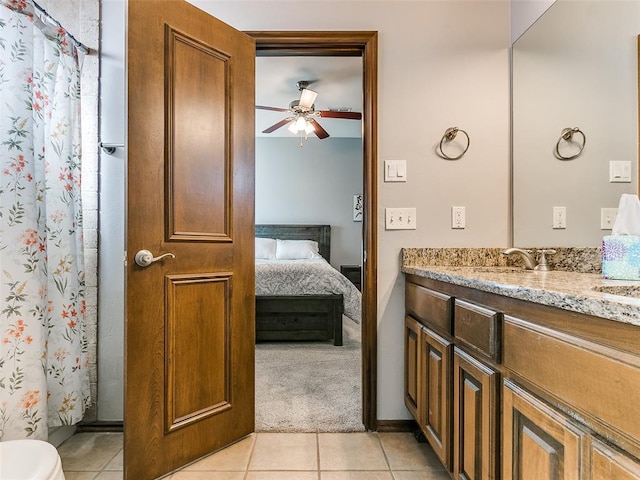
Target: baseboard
[397,426]
[115,426]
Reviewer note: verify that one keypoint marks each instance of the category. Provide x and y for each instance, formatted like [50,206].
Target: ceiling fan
[302,113]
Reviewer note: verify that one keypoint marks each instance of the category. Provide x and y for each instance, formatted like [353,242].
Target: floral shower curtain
[43,366]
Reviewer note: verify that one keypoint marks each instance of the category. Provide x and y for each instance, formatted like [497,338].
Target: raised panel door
[608,463]
[539,442]
[435,382]
[475,421]
[412,332]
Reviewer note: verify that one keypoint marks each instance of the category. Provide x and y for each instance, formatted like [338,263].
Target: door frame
[355,44]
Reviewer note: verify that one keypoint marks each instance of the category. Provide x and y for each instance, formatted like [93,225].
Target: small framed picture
[357,208]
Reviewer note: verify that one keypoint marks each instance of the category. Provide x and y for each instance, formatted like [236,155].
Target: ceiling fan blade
[336,114]
[318,130]
[275,109]
[276,126]
[307,97]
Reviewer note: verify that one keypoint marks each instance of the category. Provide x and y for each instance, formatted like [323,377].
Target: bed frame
[299,317]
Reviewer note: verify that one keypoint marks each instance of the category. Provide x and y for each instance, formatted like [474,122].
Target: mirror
[576,66]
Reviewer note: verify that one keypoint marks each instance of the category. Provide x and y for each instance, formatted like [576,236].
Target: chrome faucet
[530,262]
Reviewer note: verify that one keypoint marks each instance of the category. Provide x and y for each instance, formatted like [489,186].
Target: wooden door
[189,380]
[539,443]
[475,419]
[435,382]
[412,331]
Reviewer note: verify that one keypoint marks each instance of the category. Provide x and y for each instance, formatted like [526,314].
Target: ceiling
[338,81]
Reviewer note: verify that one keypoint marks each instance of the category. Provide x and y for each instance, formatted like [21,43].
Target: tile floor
[273,456]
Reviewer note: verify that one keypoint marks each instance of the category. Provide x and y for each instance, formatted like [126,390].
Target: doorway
[362,44]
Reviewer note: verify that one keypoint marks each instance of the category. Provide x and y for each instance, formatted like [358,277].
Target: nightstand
[353,273]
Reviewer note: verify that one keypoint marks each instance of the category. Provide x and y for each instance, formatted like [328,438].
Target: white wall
[441,64]
[314,184]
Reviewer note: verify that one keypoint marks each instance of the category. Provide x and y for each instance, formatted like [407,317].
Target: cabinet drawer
[478,328]
[431,308]
[595,380]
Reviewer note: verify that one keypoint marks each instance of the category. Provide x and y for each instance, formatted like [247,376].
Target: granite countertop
[570,290]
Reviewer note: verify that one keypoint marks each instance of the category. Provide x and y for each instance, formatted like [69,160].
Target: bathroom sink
[624,290]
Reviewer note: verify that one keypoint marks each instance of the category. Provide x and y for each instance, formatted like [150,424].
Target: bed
[300,299]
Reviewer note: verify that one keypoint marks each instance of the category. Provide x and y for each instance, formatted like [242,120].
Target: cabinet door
[412,332]
[607,463]
[475,424]
[435,385]
[539,442]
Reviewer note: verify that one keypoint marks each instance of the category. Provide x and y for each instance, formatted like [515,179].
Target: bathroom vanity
[514,374]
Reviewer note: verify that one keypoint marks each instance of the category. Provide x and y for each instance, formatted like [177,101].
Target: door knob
[144,258]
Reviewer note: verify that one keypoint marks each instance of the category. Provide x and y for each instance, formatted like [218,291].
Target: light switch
[619,172]
[402,169]
[395,171]
[392,169]
[400,218]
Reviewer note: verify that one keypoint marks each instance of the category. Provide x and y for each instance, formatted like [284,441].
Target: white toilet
[29,460]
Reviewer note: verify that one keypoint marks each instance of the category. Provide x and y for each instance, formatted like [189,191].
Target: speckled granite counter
[561,289]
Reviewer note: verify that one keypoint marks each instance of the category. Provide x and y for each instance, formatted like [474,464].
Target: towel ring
[449,135]
[567,135]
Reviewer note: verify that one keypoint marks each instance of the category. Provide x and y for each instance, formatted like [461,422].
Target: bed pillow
[296,249]
[266,248]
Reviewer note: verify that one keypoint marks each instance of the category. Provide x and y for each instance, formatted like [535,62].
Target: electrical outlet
[458,217]
[400,218]
[607,218]
[559,217]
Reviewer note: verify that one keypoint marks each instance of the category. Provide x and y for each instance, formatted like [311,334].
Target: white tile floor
[273,456]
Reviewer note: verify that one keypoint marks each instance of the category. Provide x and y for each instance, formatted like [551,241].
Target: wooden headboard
[318,233]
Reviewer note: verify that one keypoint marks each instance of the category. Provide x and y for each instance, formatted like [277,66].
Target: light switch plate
[400,218]
[395,170]
[620,171]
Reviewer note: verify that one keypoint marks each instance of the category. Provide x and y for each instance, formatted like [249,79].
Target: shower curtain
[43,365]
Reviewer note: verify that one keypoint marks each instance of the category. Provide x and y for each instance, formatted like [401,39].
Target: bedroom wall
[441,64]
[313,184]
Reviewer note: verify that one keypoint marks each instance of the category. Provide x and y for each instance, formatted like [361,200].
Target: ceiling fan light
[307,97]
[301,123]
[309,128]
[293,127]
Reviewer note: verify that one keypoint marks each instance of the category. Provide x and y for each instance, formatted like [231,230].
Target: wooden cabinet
[434,412]
[539,442]
[509,389]
[427,383]
[608,463]
[412,332]
[475,425]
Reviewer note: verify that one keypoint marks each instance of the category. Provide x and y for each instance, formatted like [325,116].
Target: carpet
[310,386]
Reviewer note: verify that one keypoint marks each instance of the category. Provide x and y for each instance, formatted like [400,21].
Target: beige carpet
[310,386]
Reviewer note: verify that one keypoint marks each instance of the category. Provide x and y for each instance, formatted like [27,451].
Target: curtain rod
[78,44]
